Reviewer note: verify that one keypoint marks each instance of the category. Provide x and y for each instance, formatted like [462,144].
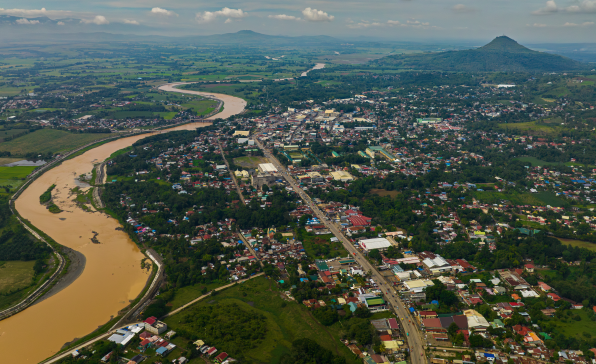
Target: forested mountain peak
[504,44]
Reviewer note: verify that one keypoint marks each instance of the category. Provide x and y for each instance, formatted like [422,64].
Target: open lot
[250,162]
[578,243]
[284,324]
[48,140]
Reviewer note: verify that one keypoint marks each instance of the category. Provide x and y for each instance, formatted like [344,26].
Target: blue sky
[475,20]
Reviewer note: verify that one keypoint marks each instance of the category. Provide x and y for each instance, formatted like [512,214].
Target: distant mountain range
[503,54]
[248,37]
[67,30]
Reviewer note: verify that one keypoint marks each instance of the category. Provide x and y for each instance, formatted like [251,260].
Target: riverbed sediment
[112,274]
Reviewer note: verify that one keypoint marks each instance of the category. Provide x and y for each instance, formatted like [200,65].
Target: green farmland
[48,140]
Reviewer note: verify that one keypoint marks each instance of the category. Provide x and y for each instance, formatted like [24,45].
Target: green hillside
[503,54]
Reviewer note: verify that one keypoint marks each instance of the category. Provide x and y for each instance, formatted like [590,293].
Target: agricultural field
[12,177]
[284,321]
[48,140]
[200,106]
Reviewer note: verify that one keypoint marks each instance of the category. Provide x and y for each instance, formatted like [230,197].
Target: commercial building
[342,176]
[375,244]
[267,168]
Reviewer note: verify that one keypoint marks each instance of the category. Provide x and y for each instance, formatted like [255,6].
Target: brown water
[112,276]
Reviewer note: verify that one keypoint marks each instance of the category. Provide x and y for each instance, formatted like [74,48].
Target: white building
[267,168]
[437,265]
[375,244]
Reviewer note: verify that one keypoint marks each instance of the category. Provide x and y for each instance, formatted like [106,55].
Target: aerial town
[247,198]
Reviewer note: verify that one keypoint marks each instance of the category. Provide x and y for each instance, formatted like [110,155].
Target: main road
[414,337]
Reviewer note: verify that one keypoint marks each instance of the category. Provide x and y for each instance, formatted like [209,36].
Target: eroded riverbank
[112,274]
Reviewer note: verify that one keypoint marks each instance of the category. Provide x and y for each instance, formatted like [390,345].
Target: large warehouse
[375,244]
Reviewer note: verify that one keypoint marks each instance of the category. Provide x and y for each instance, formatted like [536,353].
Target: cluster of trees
[448,301]
[17,244]
[307,351]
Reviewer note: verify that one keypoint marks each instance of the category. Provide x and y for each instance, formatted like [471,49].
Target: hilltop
[502,54]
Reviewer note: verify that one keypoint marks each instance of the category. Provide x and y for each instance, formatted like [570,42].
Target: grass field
[534,199]
[578,243]
[535,161]
[380,192]
[530,128]
[576,328]
[186,294]
[48,140]
[284,324]
[15,275]
[250,162]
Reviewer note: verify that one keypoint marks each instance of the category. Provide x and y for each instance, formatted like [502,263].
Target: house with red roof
[555,297]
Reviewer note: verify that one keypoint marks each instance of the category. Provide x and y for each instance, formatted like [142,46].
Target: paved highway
[415,339]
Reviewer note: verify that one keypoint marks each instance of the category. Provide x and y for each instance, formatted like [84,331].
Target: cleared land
[284,324]
[15,275]
[382,193]
[48,140]
[250,162]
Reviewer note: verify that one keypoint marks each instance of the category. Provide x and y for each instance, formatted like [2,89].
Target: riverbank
[112,276]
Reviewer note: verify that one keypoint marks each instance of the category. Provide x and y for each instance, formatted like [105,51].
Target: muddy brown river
[112,276]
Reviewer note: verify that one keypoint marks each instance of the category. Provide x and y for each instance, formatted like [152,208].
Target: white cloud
[284,17]
[35,12]
[231,14]
[24,21]
[551,7]
[461,8]
[585,6]
[316,15]
[129,21]
[162,12]
[539,25]
[584,24]
[61,23]
[99,20]
[364,24]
